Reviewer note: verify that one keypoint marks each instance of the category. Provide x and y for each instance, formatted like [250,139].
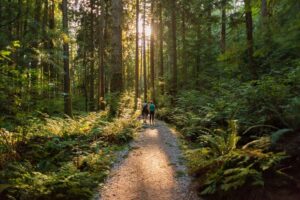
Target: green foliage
[221,166]
[222,159]
[61,158]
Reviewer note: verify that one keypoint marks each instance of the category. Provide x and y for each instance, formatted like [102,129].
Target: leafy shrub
[61,158]
[222,166]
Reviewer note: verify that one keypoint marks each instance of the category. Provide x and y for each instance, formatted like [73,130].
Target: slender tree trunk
[34,63]
[198,57]
[152,52]
[249,30]
[209,26]
[161,49]
[174,48]
[10,25]
[101,105]
[46,41]
[85,81]
[117,80]
[52,70]
[141,66]
[183,53]
[223,28]
[85,86]
[144,53]
[265,27]
[101,61]
[105,84]
[264,8]
[92,61]
[137,53]
[67,88]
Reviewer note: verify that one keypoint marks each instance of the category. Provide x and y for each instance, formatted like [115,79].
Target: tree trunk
[161,49]
[174,48]
[249,30]
[101,105]
[144,54]
[183,53]
[264,9]
[52,70]
[137,54]
[116,80]
[152,52]
[34,63]
[85,81]
[46,41]
[92,67]
[67,88]
[223,28]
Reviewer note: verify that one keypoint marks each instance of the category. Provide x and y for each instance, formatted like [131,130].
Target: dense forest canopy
[226,73]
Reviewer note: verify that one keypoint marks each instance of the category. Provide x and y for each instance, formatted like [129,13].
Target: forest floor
[153,169]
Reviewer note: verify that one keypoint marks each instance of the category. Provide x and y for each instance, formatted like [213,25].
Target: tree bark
[183,53]
[152,52]
[249,30]
[51,22]
[264,9]
[137,53]
[174,48]
[67,86]
[223,27]
[161,49]
[92,61]
[101,91]
[144,54]
[117,80]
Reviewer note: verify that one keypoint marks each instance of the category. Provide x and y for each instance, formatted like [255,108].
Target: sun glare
[147,28]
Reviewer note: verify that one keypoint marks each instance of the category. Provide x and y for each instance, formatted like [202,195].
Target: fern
[223,166]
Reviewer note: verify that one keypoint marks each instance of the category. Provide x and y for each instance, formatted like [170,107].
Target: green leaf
[5,53]
[16,44]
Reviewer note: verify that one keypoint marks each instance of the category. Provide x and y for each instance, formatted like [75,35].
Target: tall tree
[183,51]
[137,52]
[223,26]
[51,44]
[144,53]
[249,31]
[116,61]
[264,8]
[92,61]
[67,85]
[152,52]
[161,47]
[173,47]
[101,47]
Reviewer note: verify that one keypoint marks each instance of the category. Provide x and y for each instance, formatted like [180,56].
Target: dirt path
[153,170]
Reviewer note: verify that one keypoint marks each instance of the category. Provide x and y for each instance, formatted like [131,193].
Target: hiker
[152,112]
[145,111]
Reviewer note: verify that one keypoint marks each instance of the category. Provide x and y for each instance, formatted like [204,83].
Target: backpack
[145,107]
[152,107]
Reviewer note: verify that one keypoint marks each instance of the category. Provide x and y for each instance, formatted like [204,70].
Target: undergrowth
[231,139]
[61,158]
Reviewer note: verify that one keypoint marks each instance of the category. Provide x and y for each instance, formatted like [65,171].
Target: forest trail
[153,170]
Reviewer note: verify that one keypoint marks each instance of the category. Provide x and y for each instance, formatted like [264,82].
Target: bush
[61,158]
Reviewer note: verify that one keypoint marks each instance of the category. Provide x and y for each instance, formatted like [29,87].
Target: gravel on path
[153,170]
